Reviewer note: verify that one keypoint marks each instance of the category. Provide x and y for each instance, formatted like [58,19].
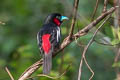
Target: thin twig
[66,42]
[117,56]
[116,60]
[85,50]
[42,75]
[117,28]
[95,9]
[89,68]
[74,17]
[7,70]
[105,6]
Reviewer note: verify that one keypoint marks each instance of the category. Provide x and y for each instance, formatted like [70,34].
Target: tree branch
[105,6]
[29,71]
[95,9]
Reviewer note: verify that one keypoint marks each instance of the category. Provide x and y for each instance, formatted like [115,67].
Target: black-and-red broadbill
[49,38]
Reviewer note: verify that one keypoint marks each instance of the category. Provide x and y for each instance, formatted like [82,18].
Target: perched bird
[49,39]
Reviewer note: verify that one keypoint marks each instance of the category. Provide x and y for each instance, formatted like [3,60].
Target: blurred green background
[19,49]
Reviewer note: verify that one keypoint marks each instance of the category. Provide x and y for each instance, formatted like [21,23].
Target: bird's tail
[47,63]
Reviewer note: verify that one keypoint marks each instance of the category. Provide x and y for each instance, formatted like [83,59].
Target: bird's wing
[54,39]
[39,41]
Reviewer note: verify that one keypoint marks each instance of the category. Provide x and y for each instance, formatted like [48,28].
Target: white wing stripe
[38,38]
[58,34]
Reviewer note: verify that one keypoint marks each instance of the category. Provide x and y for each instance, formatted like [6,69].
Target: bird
[49,37]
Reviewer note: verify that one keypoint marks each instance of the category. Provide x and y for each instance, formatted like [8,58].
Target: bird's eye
[58,17]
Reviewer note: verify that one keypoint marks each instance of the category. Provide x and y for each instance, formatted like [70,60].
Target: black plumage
[51,27]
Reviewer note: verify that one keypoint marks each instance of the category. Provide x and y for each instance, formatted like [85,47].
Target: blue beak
[64,18]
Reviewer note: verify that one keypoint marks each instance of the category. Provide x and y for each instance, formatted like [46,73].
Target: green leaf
[116,64]
[115,41]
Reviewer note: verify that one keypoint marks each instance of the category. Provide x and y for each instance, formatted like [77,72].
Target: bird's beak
[64,18]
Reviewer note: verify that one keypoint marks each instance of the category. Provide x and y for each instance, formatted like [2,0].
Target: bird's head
[55,18]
